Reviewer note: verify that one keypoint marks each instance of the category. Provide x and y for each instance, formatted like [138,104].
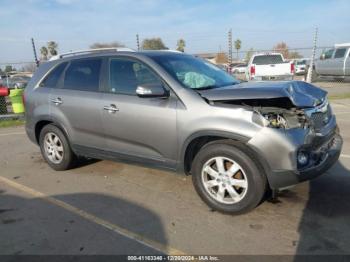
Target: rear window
[83,75]
[52,78]
[267,59]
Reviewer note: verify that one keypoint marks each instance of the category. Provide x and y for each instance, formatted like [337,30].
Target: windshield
[267,59]
[194,73]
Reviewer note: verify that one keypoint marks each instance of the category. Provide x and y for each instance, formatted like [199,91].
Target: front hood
[301,94]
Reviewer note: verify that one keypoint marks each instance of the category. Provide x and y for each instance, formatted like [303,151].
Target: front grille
[320,119]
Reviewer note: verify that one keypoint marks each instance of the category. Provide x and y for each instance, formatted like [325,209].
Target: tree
[181,45]
[30,67]
[52,47]
[9,68]
[221,58]
[249,54]
[153,44]
[238,44]
[106,45]
[282,48]
[44,52]
[294,55]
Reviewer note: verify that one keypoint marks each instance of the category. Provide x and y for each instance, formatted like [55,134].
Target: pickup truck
[334,62]
[271,66]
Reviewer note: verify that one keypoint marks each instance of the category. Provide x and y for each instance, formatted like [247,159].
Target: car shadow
[37,226]
[325,224]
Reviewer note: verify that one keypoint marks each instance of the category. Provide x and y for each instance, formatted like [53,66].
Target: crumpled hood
[300,93]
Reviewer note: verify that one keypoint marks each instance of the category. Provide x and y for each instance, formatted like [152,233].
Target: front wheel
[227,179]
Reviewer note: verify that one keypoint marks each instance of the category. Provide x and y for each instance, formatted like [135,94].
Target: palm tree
[181,45]
[52,46]
[44,52]
[238,44]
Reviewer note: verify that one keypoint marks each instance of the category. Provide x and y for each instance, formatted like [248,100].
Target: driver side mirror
[152,90]
[323,57]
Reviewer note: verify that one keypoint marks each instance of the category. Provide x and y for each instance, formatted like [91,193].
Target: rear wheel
[227,179]
[55,148]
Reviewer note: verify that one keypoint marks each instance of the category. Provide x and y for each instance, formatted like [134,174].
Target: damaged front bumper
[327,154]
[279,150]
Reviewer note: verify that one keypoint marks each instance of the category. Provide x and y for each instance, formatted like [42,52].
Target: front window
[194,73]
[329,54]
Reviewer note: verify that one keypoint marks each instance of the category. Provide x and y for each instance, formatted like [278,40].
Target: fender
[202,133]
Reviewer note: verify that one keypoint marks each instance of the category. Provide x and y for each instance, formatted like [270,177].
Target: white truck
[269,66]
[334,62]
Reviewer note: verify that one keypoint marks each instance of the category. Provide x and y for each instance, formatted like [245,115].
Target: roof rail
[87,51]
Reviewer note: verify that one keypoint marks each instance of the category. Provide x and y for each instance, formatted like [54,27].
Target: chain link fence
[12,85]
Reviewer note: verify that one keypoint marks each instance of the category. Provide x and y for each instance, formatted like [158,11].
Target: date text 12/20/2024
[173,258]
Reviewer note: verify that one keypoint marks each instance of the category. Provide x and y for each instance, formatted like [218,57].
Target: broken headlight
[280,118]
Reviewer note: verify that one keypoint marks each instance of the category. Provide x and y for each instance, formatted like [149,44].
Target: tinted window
[126,75]
[83,75]
[267,59]
[340,53]
[52,79]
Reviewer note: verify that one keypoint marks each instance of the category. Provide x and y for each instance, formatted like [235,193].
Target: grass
[339,96]
[11,123]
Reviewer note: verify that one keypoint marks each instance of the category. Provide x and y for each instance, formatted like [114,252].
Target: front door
[142,129]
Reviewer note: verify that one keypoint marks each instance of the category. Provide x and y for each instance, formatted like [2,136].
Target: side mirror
[152,90]
[323,57]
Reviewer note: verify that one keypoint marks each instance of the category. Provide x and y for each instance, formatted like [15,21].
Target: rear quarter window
[52,78]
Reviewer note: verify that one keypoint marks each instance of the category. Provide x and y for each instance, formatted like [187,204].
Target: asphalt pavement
[104,207]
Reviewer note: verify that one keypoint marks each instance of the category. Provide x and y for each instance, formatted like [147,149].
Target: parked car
[239,69]
[270,66]
[174,111]
[301,66]
[334,62]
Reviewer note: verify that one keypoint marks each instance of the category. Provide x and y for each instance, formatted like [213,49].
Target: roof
[110,51]
[342,45]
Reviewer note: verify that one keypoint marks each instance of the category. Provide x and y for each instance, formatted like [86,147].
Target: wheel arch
[44,122]
[197,140]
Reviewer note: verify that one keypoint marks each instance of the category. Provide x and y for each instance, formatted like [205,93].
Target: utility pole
[230,46]
[34,51]
[137,42]
[311,67]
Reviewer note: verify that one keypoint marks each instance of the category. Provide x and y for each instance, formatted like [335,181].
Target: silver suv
[177,112]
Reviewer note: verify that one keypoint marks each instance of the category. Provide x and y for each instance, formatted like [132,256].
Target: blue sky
[75,24]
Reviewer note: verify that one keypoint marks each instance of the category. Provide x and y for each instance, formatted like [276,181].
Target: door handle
[111,109]
[57,101]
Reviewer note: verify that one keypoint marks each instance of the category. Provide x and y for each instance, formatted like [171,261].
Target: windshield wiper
[207,87]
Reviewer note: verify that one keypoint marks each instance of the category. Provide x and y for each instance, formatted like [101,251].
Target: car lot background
[104,207]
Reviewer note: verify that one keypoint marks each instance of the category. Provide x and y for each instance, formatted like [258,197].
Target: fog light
[303,158]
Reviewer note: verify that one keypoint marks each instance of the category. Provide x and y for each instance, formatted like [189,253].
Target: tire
[249,184]
[49,147]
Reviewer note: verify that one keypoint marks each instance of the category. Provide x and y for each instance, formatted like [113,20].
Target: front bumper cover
[283,178]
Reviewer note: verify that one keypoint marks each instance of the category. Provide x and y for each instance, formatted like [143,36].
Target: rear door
[138,128]
[77,103]
[337,66]
[347,63]
[324,67]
